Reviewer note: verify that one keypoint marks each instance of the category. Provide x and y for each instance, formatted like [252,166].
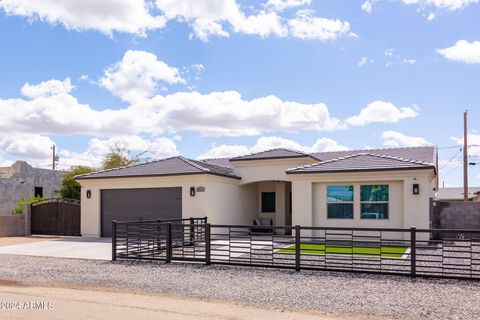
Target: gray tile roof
[354,160]
[164,167]
[362,162]
[272,154]
[424,154]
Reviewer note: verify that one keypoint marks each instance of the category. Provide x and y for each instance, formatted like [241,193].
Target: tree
[118,157]
[70,188]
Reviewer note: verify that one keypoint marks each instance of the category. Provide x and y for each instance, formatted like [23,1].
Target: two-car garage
[135,204]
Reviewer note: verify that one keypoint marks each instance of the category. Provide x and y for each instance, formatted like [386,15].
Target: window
[340,202]
[268,201]
[38,192]
[374,201]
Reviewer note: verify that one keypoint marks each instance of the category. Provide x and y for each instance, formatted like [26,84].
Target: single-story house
[456,194]
[368,188]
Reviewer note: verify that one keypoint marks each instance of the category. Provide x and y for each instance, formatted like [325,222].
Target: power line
[451,159]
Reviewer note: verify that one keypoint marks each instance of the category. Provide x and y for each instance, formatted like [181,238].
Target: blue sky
[218,78]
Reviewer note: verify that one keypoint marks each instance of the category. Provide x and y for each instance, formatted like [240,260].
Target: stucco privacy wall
[223,201]
[406,209]
[19,181]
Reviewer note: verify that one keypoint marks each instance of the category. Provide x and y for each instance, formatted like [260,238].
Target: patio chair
[265,225]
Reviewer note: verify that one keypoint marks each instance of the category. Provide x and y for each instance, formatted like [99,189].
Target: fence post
[297,248]
[207,244]
[413,252]
[168,257]
[114,240]
[159,236]
[192,231]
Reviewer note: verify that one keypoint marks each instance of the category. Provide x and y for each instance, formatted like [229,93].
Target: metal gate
[56,217]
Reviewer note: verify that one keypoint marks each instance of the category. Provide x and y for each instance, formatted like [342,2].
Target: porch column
[302,204]
[280,204]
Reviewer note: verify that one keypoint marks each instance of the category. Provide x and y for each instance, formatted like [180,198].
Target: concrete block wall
[456,215]
[14,226]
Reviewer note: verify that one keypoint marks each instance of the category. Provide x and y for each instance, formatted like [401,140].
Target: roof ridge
[192,163]
[399,158]
[268,150]
[368,150]
[214,164]
[371,154]
[123,167]
[324,161]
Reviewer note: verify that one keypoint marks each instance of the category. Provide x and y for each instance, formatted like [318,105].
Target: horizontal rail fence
[158,239]
[410,252]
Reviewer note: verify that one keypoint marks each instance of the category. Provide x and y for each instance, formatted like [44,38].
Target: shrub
[19,204]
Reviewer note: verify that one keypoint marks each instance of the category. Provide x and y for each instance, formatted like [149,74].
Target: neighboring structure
[369,188]
[456,194]
[22,181]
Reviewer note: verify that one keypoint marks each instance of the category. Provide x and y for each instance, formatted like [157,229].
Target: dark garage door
[135,204]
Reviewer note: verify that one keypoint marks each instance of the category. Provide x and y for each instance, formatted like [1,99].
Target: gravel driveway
[339,293]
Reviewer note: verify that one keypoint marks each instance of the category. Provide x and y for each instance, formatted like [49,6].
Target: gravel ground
[338,293]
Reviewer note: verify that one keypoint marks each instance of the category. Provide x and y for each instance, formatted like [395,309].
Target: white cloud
[463,51]
[216,113]
[146,149]
[450,5]
[473,142]
[327,145]
[363,61]
[46,88]
[208,17]
[409,61]
[263,24]
[227,113]
[32,146]
[381,111]
[367,6]
[268,143]
[106,16]
[224,151]
[389,52]
[396,139]
[36,149]
[308,27]
[280,5]
[136,76]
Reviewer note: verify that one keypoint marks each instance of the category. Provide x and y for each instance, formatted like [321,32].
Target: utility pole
[54,157]
[465,157]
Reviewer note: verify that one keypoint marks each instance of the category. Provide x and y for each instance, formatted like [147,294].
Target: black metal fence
[411,252]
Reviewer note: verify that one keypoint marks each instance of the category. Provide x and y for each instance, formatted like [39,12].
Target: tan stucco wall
[231,201]
[268,170]
[223,201]
[281,204]
[406,209]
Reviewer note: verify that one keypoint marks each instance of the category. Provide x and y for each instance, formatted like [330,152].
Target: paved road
[64,303]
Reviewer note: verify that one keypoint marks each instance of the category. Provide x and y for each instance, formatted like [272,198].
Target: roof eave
[273,158]
[158,175]
[361,170]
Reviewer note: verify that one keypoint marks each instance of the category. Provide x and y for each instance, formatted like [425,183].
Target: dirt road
[34,302]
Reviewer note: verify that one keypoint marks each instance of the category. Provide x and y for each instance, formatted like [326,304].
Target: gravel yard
[338,293]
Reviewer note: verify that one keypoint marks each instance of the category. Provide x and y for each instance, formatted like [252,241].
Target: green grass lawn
[321,249]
